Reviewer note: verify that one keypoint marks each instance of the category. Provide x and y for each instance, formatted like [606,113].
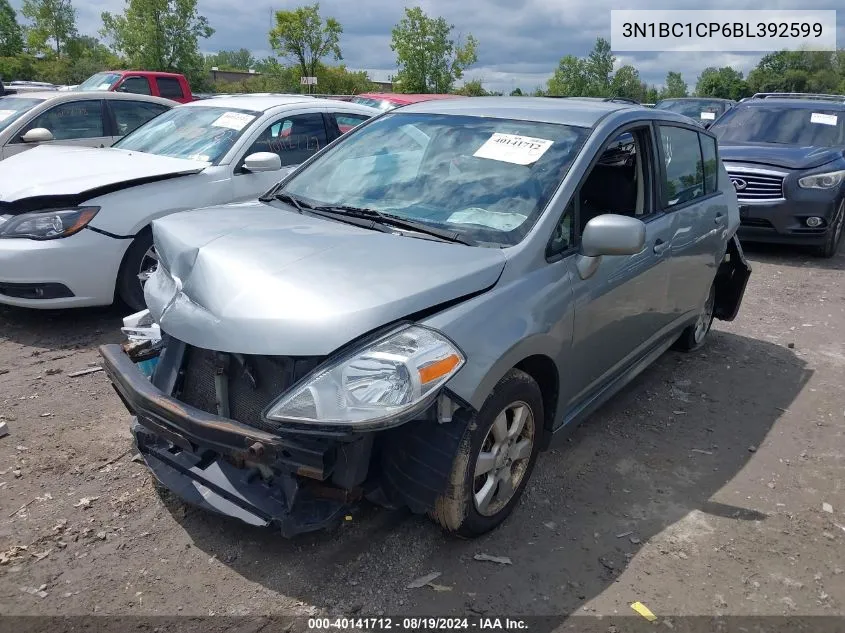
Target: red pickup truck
[145,82]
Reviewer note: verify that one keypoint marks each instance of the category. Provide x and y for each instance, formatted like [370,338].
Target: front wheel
[139,262]
[494,459]
[834,237]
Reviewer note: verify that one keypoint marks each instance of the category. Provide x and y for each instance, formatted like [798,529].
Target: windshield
[199,133]
[100,81]
[817,127]
[13,108]
[702,109]
[486,179]
[381,104]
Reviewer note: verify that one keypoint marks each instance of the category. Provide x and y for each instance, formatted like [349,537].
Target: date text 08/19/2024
[417,623]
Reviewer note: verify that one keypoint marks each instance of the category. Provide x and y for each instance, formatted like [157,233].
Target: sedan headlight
[47,225]
[828,180]
[378,386]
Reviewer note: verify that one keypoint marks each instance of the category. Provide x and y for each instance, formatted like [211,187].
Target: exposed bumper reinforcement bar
[211,462]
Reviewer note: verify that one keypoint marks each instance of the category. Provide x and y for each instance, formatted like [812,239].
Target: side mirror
[262,161]
[609,234]
[37,135]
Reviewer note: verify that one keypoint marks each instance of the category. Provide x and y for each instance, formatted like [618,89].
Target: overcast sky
[520,41]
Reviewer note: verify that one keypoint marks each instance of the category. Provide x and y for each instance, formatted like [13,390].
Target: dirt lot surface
[712,485]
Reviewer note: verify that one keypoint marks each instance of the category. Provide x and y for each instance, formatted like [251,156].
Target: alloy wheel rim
[503,459]
[705,318]
[149,263]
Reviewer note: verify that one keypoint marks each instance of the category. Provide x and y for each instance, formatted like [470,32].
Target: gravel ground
[712,485]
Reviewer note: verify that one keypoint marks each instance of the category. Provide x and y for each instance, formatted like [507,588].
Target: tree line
[165,35]
[782,71]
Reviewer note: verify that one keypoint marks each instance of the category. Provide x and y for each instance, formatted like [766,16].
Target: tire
[474,505]
[694,336]
[831,244]
[130,287]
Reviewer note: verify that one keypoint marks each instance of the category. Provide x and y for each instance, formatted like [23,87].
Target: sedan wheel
[149,263]
[139,263]
[502,461]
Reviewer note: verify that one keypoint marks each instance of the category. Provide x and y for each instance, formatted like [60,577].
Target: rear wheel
[694,335]
[834,237]
[494,459]
[138,264]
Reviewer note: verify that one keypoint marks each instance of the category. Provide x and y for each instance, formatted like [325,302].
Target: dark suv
[785,154]
[703,110]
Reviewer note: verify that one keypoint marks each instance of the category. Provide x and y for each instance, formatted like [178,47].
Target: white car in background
[30,119]
[75,222]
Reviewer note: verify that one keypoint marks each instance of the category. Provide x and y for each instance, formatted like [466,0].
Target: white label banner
[722,31]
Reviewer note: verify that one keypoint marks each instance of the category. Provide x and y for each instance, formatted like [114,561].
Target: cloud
[520,41]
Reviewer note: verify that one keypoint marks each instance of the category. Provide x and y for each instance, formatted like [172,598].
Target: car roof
[77,95]
[263,103]
[696,99]
[798,103]
[257,103]
[157,73]
[401,97]
[577,112]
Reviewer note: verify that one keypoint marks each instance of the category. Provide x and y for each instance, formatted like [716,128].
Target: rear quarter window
[711,163]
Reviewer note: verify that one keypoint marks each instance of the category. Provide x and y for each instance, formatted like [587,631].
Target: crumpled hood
[258,279]
[56,170]
[780,155]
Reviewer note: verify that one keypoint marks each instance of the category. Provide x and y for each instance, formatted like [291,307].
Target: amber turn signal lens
[438,368]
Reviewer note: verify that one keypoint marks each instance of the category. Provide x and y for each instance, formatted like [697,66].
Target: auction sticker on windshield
[233,120]
[708,116]
[824,119]
[512,148]
[5,114]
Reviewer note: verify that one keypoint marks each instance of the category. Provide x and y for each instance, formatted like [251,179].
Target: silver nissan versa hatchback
[419,309]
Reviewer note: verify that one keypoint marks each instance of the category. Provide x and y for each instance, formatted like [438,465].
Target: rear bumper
[223,466]
[784,222]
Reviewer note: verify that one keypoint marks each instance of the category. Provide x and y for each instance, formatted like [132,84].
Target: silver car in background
[420,308]
[29,119]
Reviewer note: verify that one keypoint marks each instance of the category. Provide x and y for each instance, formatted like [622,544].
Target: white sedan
[75,222]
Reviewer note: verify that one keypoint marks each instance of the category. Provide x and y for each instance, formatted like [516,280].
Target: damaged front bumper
[227,467]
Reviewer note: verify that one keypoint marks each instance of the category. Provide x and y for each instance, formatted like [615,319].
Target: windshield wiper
[395,221]
[301,206]
[287,198]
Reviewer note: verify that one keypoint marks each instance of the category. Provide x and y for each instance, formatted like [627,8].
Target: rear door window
[683,173]
[346,121]
[294,138]
[169,88]
[130,115]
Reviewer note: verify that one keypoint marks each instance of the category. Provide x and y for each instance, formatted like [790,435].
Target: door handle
[720,217]
[660,246]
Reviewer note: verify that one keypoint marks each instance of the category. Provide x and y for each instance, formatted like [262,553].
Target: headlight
[47,225]
[381,385]
[822,181]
